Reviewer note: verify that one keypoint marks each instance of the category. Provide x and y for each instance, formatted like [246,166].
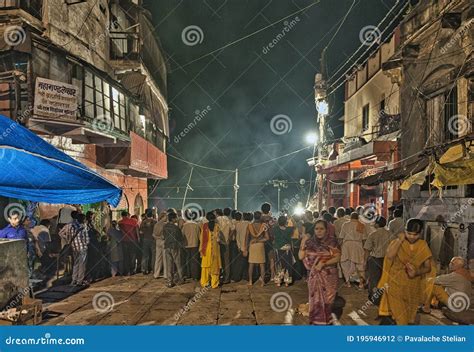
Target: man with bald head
[458,280]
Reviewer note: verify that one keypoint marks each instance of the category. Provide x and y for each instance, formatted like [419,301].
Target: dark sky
[246,86]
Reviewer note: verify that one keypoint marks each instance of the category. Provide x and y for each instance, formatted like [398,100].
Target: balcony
[33,7]
[140,159]
[124,46]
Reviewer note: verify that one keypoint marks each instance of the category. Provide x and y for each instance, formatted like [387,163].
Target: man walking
[174,242]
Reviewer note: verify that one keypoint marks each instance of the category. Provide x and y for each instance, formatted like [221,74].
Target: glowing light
[311,138]
[322,107]
[298,210]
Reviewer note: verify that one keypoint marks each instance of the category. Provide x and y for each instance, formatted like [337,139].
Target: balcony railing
[124,46]
[33,7]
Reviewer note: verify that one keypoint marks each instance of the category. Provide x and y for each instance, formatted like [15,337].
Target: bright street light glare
[298,210]
[311,138]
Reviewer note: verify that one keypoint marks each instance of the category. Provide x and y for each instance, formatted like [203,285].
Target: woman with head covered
[405,273]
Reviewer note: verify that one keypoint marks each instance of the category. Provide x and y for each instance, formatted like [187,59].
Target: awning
[32,169]
[394,174]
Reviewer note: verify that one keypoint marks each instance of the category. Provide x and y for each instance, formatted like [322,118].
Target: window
[101,99]
[119,109]
[365,118]
[382,107]
[451,119]
[89,95]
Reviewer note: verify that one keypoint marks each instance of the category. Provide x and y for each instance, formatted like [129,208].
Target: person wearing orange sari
[406,268]
[209,250]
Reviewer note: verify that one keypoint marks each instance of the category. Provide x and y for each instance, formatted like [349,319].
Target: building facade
[370,143]
[408,128]
[436,63]
[90,78]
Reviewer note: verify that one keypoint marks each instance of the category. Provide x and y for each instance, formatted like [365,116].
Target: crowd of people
[388,258]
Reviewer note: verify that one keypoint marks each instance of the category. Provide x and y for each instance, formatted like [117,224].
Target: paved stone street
[142,300]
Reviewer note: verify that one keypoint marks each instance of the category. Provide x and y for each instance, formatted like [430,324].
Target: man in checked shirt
[79,245]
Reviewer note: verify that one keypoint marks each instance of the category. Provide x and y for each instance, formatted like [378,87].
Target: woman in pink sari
[320,254]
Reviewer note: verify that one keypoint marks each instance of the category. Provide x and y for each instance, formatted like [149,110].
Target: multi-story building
[435,61]
[90,78]
[370,143]
[409,110]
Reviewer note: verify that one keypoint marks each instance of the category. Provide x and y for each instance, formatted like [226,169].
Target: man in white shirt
[396,226]
[191,231]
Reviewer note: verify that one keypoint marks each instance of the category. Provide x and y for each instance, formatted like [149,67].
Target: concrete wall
[423,78]
[77,31]
[13,270]
[370,85]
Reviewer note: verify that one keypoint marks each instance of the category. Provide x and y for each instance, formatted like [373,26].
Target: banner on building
[55,100]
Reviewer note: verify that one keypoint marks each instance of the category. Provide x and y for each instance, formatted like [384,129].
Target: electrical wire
[363,44]
[251,34]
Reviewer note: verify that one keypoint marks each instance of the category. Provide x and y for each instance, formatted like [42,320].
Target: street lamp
[279,184]
[311,138]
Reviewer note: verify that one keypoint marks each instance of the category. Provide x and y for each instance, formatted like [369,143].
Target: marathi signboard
[56,100]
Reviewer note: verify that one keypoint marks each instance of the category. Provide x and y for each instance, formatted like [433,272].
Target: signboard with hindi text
[55,100]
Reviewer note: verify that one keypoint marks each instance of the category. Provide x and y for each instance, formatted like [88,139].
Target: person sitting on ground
[457,281]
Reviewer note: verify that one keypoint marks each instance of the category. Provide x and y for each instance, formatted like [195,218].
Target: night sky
[233,94]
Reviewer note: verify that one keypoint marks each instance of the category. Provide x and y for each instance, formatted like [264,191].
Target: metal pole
[187,187]
[236,188]
[279,198]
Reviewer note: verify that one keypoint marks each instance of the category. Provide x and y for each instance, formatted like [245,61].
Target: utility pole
[187,188]
[236,188]
[279,184]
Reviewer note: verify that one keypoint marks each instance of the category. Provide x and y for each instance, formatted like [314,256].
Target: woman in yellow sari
[209,249]
[404,278]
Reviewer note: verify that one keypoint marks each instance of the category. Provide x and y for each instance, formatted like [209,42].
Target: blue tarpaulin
[32,169]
